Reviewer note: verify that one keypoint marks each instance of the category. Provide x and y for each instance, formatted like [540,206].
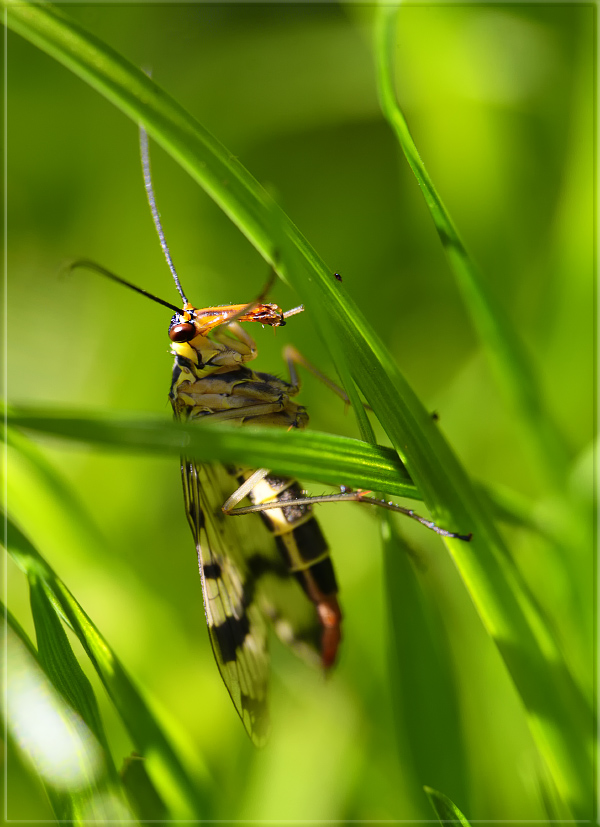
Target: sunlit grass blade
[61,665]
[503,345]
[446,810]
[419,663]
[71,763]
[184,794]
[308,455]
[245,201]
[61,802]
[289,262]
[141,791]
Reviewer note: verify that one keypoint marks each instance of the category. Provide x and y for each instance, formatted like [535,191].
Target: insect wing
[236,625]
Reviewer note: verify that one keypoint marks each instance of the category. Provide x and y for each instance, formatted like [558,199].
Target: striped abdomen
[303,548]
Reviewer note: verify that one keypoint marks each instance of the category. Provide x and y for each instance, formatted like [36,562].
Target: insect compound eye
[183,332]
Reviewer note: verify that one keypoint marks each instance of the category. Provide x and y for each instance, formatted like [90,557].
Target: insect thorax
[211,380]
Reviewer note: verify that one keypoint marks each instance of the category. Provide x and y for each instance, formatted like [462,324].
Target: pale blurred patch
[502,58]
[50,734]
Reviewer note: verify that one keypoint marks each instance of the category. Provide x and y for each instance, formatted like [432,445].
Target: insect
[273,565]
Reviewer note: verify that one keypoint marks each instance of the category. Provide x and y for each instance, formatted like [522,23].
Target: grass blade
[61,665]
[496,331]
[446,810]
[419,663]
[307,455]
[162,763]
[73,767]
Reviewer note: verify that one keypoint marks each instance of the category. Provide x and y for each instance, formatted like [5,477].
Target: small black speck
[338,277]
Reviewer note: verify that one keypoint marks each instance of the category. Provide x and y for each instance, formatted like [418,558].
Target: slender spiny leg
[293,357]
[361,497]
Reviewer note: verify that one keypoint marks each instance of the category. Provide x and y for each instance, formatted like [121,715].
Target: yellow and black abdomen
[304,551]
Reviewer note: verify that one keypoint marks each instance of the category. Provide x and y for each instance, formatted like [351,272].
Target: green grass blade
[61,802]
[141,791]
[71,763]
[163,764]
[344,460]
[419,662]
[245,201]
[496,331]
[307,455]
[446,810]
[61,665]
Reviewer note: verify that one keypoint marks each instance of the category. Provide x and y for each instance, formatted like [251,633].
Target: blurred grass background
[500,103]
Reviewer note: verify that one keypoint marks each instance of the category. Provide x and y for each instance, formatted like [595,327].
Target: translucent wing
[244,578]
[236,625]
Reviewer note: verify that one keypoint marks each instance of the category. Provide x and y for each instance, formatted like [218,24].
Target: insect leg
[247,411]
[361,497]
[236,338]
[244,490]
[293,357]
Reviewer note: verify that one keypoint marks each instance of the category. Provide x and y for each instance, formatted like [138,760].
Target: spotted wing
[236,624]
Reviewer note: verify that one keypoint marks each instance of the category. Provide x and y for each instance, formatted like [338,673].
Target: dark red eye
[183,332]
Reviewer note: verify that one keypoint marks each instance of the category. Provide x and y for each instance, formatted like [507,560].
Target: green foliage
[316,456]
[50,599]
[446,810]
[460,713]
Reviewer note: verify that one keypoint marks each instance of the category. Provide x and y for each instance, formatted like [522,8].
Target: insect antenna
[145,153]
[86,264]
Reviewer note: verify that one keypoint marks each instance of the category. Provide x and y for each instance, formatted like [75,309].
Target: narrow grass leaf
[60,664]
[446,810]
[419,663]
[61,802]
[184,794]
[62,750]
[141,792]
[307,455]
[504,347]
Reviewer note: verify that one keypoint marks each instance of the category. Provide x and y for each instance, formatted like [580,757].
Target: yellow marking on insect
[307,564]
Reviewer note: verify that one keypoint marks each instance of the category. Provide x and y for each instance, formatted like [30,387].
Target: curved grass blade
[73,767]
[140,790]
[340,458]
[497,333]
[249,206]
[419,663]
[446,810]
[185,794]
[307,455]
[60,664]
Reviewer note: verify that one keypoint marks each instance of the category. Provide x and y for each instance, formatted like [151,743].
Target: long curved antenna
[145,152]
[97,268]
